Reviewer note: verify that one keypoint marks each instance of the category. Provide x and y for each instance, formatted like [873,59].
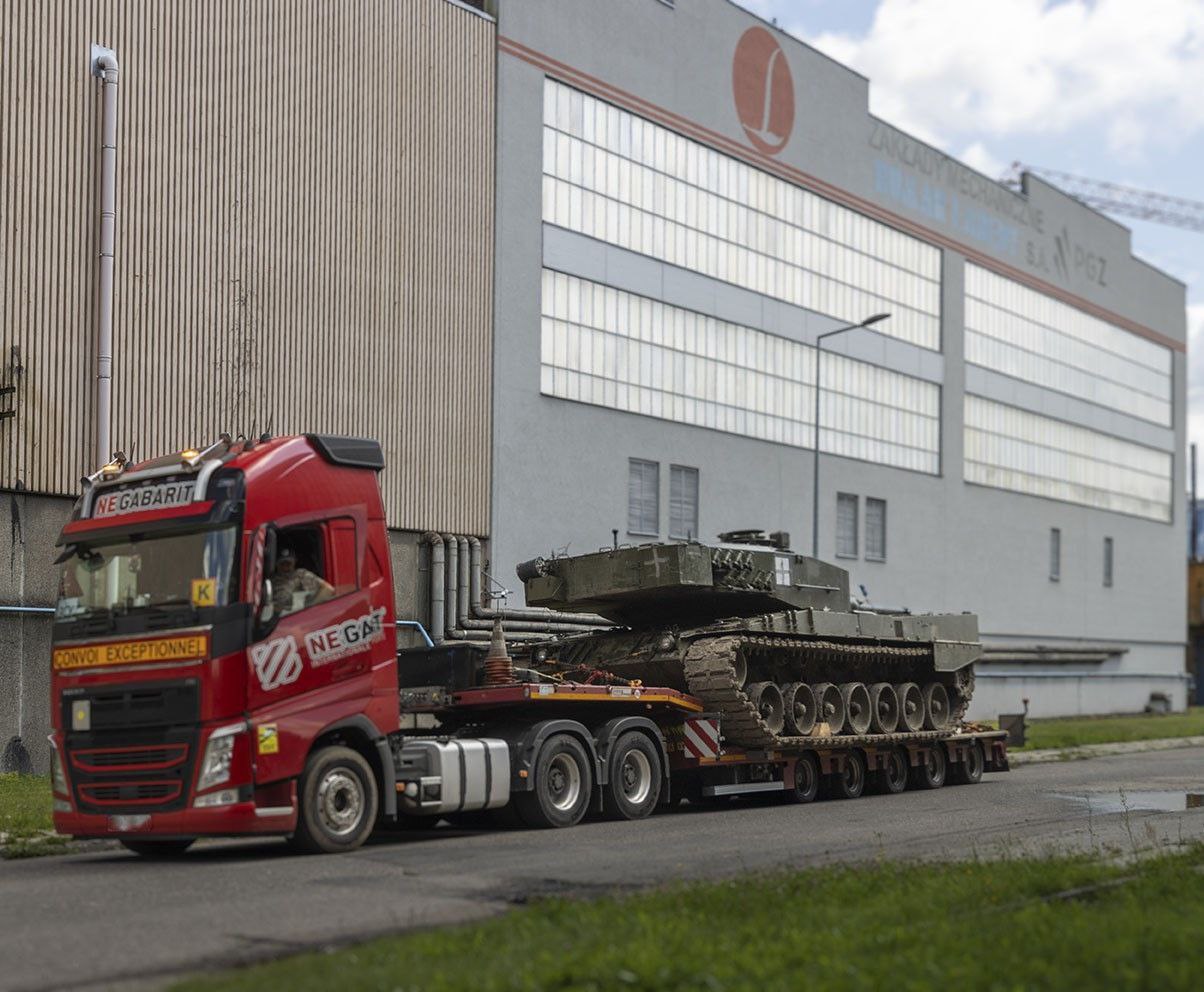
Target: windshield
[129,575]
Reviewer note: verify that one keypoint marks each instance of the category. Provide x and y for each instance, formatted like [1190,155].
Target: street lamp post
[819,350]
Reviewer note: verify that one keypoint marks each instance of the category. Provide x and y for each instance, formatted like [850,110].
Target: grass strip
[1067,923]
[25,817]
[1065,732]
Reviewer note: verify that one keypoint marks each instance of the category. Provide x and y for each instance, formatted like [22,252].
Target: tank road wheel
[930,772]
[151,848]
[884,708]
[893,777]
[804,786]
[856,707]
[799,702]
[766,697]
[911,707]
[968,771]
[850,783]
[936,707]
[338,802]
[562,784]
[634,781]
[829,704]
[739,669]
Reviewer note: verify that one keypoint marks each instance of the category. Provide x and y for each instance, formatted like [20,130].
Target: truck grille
[139,752]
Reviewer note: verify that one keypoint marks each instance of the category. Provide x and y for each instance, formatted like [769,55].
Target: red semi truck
[224,663]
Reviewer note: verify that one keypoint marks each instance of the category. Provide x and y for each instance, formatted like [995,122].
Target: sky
[1109,89]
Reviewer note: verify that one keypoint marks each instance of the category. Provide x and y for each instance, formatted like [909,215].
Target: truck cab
[224,620]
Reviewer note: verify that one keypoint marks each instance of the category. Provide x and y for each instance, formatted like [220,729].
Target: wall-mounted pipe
[451,555]
[104,67]
[437,590]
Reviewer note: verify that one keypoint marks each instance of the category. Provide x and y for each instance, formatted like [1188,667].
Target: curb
[1101,750]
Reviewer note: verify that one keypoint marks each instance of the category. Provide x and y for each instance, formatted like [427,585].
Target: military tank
[764,636]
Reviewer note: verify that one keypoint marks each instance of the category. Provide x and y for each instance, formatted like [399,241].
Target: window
[643,497]
[846,525]
[683,502]
[299,574]
[1108,562]
[1055,555]
[875,529]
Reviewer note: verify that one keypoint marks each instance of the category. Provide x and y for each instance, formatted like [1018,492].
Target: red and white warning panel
[701,736]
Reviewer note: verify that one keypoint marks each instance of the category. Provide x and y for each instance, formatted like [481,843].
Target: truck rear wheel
[151,848]
[930,772]
[338,800]
[562,785]
[634,778]
[968,771]
[849,782]
[892,777]
[804,787]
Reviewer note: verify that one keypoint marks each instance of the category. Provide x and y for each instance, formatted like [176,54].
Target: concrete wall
[561,467]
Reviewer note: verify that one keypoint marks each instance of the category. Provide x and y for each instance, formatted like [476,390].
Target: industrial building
[570,262]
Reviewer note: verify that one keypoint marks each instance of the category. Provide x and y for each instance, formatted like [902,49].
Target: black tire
[930,772]
[634,778]
[805,785]
[969,770]
[152,848]
[338,802]
[849,782]
[562,784]
[893,778]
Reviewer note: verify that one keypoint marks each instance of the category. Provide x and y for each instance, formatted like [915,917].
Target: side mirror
[267,609]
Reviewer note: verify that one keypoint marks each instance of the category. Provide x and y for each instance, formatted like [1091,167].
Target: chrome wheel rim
[636,777]
[340,802]
[564,782]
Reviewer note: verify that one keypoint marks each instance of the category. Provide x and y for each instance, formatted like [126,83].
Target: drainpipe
[104,67]
[451,555]
[436,543]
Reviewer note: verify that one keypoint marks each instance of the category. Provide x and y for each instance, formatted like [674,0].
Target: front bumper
[236,819]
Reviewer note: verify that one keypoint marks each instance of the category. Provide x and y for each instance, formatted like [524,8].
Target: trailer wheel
[930,772]
[634,781]
[850,782]
[338,800]
[892,778]
[151,848]
[968,771]
[563,784]
[805,785]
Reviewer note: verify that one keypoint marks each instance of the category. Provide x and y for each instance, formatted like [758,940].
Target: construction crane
[1113,198]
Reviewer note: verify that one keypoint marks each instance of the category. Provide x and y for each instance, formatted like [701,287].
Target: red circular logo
[764,90]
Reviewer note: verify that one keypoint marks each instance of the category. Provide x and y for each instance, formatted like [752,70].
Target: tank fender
[525,742]
[360,724]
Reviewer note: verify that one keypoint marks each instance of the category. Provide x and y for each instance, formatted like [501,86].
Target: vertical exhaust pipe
[104,67]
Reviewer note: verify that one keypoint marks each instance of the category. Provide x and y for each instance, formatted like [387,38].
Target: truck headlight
[58,779]
[219,755]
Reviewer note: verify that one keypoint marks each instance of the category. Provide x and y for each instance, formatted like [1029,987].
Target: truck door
[316,627]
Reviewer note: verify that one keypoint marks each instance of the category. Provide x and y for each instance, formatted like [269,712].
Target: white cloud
[941,68]
[976,156]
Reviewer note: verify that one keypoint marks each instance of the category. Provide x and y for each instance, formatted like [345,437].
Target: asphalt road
[109,919]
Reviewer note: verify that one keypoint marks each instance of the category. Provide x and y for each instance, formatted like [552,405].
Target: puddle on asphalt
[1139,801]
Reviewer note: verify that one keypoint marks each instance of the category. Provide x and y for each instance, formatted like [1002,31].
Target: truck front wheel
[338,799]
[563,784]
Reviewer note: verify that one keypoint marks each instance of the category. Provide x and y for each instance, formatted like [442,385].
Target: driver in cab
[295,588]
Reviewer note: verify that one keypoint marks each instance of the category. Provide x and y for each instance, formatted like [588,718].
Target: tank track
[710,673]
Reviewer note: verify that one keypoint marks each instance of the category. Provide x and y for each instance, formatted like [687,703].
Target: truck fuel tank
[436,777]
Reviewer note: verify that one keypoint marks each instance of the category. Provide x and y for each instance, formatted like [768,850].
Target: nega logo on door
[341,639]
[764,90]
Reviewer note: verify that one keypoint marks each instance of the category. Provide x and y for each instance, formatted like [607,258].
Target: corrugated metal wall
[304,241]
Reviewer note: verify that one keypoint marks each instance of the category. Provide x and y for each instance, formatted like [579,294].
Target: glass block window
[875,529]
[1030,336]
[1010,448]
[846,525]
[610,348]
[643,497]
[1055,555]
[683,502]
[622,179]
